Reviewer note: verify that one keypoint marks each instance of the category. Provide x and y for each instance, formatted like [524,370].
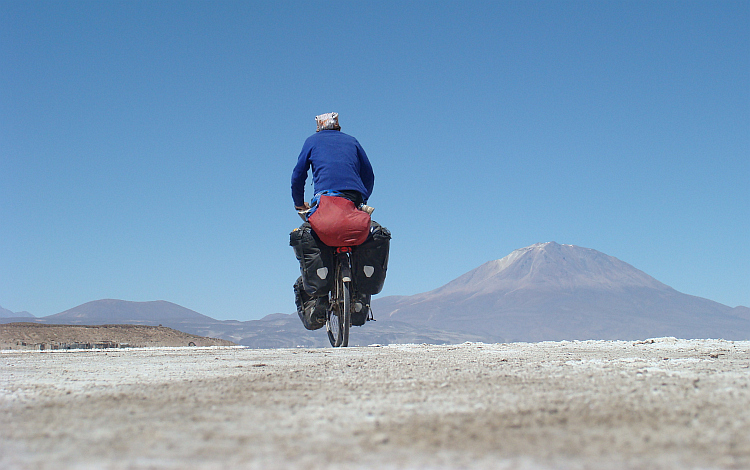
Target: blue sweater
[338,163]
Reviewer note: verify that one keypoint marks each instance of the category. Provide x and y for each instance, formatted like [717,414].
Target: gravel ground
[659,404]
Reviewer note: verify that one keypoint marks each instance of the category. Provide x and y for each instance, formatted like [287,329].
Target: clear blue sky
[146,147]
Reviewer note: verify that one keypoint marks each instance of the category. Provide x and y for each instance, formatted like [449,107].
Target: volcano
[553,292]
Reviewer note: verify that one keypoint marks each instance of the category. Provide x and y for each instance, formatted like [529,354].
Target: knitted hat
[328,121]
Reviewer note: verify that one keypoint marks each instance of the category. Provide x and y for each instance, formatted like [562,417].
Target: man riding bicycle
[340,169]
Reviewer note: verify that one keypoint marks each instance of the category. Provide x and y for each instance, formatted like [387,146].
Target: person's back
[338,161]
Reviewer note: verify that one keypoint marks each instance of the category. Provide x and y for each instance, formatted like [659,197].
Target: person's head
[328,121]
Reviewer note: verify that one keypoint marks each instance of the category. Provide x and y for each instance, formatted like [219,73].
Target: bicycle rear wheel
[339,317]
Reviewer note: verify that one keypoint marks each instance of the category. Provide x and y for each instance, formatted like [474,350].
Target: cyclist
[340,167]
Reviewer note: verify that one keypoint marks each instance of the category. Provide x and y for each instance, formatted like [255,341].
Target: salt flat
[661,404]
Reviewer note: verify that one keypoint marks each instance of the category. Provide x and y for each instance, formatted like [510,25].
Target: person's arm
[365,172]
[299,176]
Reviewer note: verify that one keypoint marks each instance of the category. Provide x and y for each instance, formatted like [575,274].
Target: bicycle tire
[347,320]
[333,325]
[339,316]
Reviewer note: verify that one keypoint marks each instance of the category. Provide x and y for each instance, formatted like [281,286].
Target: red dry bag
[337,222]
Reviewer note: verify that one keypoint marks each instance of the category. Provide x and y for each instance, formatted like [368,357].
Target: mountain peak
[552,266]
[549,291]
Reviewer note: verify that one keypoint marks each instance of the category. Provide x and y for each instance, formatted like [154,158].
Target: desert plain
[657,404]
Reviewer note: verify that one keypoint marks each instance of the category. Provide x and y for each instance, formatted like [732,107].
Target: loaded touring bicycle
[343,258]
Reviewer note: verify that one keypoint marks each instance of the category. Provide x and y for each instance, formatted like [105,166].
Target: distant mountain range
[5,313]
[273,331]
[542,292]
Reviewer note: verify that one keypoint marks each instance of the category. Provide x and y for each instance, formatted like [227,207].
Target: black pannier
[316,260]
[370,260]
